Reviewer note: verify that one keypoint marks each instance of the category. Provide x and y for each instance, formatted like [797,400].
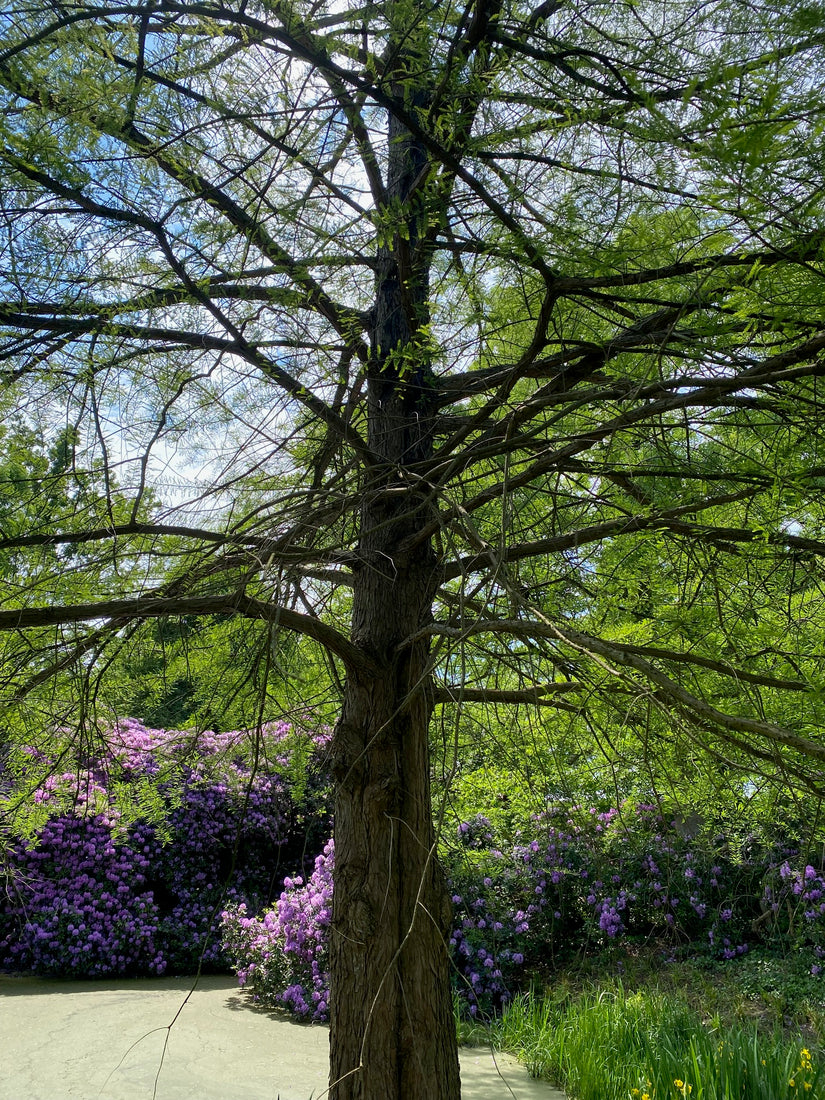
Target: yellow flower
[679,1084]
[808,1085]
[792,1083]
[645,1096]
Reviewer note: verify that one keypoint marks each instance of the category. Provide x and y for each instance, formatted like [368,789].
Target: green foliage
[783,984]
[473,347]
[216,674]
[606,234]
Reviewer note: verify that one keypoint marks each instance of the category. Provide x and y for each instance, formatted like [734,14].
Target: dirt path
[113,1041]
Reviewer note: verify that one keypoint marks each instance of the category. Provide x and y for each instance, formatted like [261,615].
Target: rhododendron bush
[583,879]
[281,956]
[95,891]
[213,872]
[566,881]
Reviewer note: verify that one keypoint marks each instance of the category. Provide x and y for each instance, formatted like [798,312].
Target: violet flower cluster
[568,881]
[80,905]
[93,893]
[281,957]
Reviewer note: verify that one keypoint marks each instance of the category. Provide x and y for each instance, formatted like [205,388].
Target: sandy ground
[155,1039]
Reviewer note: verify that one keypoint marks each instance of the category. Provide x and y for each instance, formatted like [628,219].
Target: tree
[496,331]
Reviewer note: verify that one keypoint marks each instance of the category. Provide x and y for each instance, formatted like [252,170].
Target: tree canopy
[477,344]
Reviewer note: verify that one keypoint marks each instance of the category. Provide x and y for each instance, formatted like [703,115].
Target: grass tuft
[611,1044]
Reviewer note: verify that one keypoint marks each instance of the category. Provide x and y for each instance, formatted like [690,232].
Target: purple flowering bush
[567,882]
[570,882]
[515,906]
[793,907]
[80,904]
[93,892]
[281,956]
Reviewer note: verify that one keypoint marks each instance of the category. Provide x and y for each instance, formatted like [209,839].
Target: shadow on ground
[132,1039]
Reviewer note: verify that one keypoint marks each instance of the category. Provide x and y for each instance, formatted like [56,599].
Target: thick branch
[155,608]
[539,695]
[624,656]
[122,530]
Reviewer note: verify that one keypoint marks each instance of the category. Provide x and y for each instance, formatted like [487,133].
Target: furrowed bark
[391,1014]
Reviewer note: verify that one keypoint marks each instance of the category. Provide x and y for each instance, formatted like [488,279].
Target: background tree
[491,336]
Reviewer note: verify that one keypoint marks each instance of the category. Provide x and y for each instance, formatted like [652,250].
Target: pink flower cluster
[281,956]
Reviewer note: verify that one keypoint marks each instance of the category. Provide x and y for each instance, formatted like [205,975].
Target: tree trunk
[393,1035]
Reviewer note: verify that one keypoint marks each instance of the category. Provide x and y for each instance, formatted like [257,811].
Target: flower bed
[190,882]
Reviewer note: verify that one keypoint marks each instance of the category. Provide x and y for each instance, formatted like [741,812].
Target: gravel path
[113,1041]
